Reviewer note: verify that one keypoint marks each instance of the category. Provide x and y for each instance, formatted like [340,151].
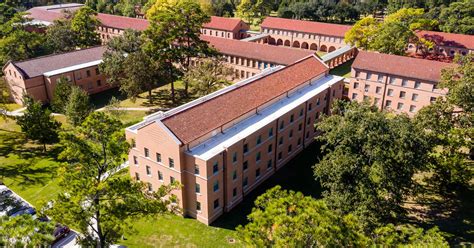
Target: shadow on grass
[296,175]
[343,70]
[102,99]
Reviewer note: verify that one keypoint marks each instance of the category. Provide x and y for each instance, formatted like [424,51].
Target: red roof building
[446,45]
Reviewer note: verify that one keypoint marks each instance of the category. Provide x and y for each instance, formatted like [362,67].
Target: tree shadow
[102,99]
[164,99]
[296,175]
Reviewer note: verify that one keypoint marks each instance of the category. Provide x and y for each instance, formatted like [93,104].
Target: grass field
[343,70]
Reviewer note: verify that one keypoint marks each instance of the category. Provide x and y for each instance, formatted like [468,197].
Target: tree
[84,24]
[61,95]
[408,236]
[78,106]
[254,11]
[37,123]
[370,160]
[24,231]
[362,33]
[208,75]
[60,37]
[102,205]
[173,37]
[449,122]
[113,108]
[283,218]
[4,97]
[386,42]
[6,13]
[458,18]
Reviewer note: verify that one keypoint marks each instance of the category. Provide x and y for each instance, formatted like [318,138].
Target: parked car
[13,209]
[25,210]
[60,232]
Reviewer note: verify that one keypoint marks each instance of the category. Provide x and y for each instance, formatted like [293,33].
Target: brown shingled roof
[203,118]
[448,39]
[223,23]
[268,53]
[37,66]
[329,29]
[400,65]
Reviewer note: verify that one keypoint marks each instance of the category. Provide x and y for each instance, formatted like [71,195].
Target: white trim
[72,68]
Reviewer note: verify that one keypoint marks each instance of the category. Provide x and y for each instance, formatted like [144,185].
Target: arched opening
[304,45]
[279,42]
[271,41]
[265,41]
[296,44]
[331,49]
[323,48]
[287,43]
[313,47]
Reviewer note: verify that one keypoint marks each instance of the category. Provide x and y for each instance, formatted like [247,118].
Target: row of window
[392,81]
[146,152]
[303,35]
[211,33]
[78,74]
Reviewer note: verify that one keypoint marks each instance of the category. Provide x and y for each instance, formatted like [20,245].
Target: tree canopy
[208,75]
[24,231]
[84,24]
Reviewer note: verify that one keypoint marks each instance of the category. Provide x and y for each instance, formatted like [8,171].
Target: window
[357,74]
[366,88]
[290,149]
[388,103]
[158,157]
[245,165]
[137,176]
[307,134]
[282,124]
[366,98]
[310,106]
[291,134]
[300,126]
[171,161]
[215,168]
[432,99]
[172,179]
[270,132]
[259,139]
[234,157]
[412,108]
[354,96]
[148,170]
[392,80]
[390,92]
[99,83]
[376,101]
[378,89]
[97,72]
[216,203]
[404,83]
[356,85]
[280,141]
[309,121]
[269,163]
[216,186]
[380,79]
[160,176]
[270,148]
[292,117]
[400,106]
[245,182]
[301,112]
[147,152]
[402,94]
[150,187]
[257,173]
[368,76]
[90,86]
[279,156]
[246,148]
[299,142]
[234,175]
[317,102]
[135,160]
[88,73]
[198,188]
[257,157]
[234,192]
[134,143]
[417,84]
[198,206]
[414,97]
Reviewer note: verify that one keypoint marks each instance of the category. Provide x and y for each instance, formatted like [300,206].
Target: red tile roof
[122,22]
[329,29]
[205,117]
[224,23]
[262,52]
[37,66]
[448,39]
[42,14]
[400,65]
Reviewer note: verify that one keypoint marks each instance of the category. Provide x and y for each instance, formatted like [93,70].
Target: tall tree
[283,218]
[78,106]
[408,236]
[102,205]
[254,11]
[370,160]
[24,231]
[450,124]
[60,37]
[6,13]
[208,75]
[37,123]
[84,24]
[362,33]
[458,18]
[61,95]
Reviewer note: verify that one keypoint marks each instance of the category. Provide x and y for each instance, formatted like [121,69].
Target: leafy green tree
[362,33]
[84,24]
[60,37]
[283,218]
[37,123]
[102,205]
[6,13]
[113,108]
[4,97]
[78,106]
[386,42]
[458,18]
[173,38]
[61,95]
[254,11]
[370,160]
[449,122]
[24,231]
[408,236]
[208,75]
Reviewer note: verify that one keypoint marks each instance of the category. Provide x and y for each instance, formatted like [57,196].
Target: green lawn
[343,70]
